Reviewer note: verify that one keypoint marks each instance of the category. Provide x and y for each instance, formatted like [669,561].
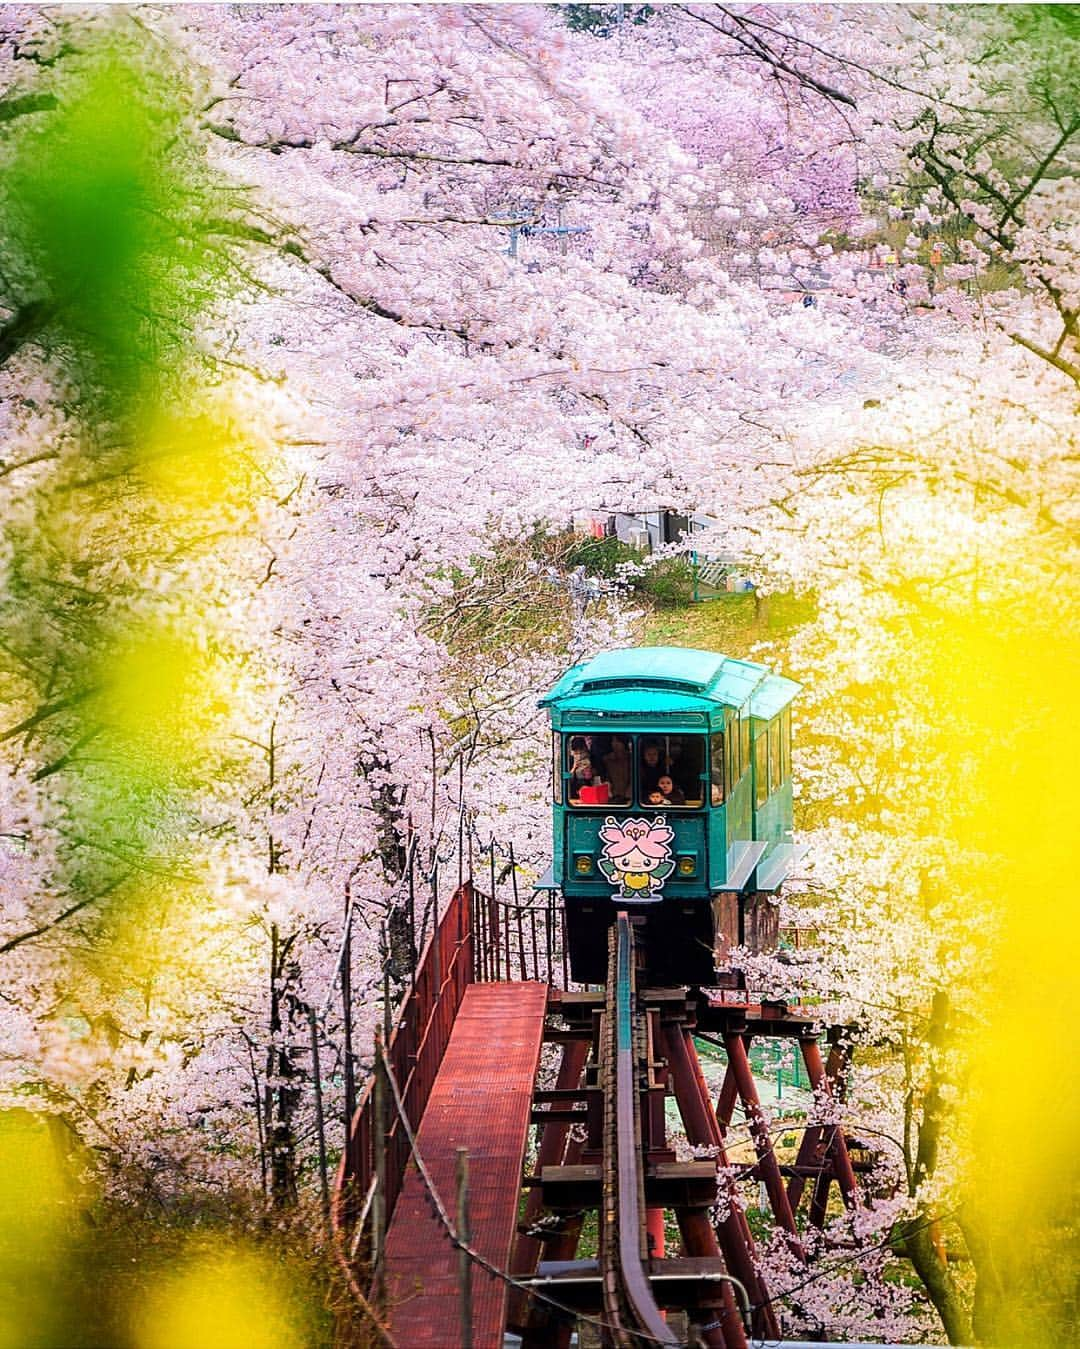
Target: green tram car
[672,798]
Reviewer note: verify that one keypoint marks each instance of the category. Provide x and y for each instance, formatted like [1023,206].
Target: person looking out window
[667,794]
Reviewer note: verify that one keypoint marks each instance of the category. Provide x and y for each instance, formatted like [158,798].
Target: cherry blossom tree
[423,283]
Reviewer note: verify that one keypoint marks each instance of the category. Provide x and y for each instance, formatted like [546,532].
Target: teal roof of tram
[651,679]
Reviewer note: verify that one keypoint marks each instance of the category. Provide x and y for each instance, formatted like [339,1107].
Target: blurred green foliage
[116,240]
[80,1269]
[104,220]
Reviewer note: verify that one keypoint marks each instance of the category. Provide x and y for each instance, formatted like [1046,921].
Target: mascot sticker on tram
[636,857]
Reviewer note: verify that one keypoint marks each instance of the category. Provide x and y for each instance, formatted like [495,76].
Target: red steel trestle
[567,1179]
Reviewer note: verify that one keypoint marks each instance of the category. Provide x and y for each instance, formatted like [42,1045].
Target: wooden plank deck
[480,1101]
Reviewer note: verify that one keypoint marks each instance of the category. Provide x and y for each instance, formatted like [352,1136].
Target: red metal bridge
[504,1111]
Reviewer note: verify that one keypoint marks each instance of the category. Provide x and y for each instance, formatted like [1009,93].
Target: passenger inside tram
[670,770]
[617,766]
[600,766]
[667,794]
[651,768]
[585,764]
[578,753]
[582,775]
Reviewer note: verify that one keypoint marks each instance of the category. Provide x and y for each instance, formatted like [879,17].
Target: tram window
[785,743]
[717,758]
[584,765]
[761,768]
[731,758]
[744,743]
[671,769]
[774,754]
[556,769]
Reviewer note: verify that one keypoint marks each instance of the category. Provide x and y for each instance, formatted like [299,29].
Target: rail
[625,1279]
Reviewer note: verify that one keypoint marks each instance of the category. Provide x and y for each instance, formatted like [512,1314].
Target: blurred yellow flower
[229,1298]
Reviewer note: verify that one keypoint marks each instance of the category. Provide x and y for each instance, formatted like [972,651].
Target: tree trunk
[989,1289]
[386,805]
[281,1095]
[920,1239]
[918,1244]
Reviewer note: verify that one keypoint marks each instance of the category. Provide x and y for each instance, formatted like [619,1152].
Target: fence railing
[479,938]
[415,1051]
[518,938]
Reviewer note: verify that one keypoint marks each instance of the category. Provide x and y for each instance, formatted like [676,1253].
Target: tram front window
[598,769]
[670,770]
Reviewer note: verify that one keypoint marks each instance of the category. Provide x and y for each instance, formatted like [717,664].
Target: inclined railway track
[629,1305]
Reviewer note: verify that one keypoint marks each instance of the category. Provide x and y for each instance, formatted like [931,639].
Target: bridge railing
[518,938]
[415,1051]
[508,933]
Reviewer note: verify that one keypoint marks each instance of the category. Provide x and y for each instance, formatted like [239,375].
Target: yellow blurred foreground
[1011,695]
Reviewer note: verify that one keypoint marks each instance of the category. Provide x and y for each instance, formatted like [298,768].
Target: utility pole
[582,589]
[519,227]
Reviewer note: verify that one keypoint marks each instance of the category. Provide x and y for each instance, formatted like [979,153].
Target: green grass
[732,624]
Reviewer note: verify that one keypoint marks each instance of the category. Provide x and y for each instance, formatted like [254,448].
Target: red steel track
[480,1101]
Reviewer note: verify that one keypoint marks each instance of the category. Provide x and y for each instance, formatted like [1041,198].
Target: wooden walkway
[481,1101]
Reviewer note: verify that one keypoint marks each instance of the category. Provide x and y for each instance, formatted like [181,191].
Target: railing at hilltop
[530,934]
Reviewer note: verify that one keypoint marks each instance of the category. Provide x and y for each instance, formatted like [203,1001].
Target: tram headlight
[687,864]
[583,865]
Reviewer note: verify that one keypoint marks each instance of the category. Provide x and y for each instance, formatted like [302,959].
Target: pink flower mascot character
[637,856]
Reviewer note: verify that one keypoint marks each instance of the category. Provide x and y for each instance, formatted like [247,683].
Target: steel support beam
[724,1330]
[768,1166]
[550,1150]
[702,1130]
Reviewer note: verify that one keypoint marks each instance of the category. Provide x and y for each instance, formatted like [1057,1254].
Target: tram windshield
[599,769]
[671,770]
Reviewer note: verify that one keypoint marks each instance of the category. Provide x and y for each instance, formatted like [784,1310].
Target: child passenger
[667,794]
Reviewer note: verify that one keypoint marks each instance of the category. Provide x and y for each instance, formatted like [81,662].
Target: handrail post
[474,944]
[346,1012]
[414,953]
[320,1123]
[461,822]
[388,1014]
[493,911]
[509,947]
[523,970]
[464,1259]
[550,943]
[378,1201]
[436,948]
